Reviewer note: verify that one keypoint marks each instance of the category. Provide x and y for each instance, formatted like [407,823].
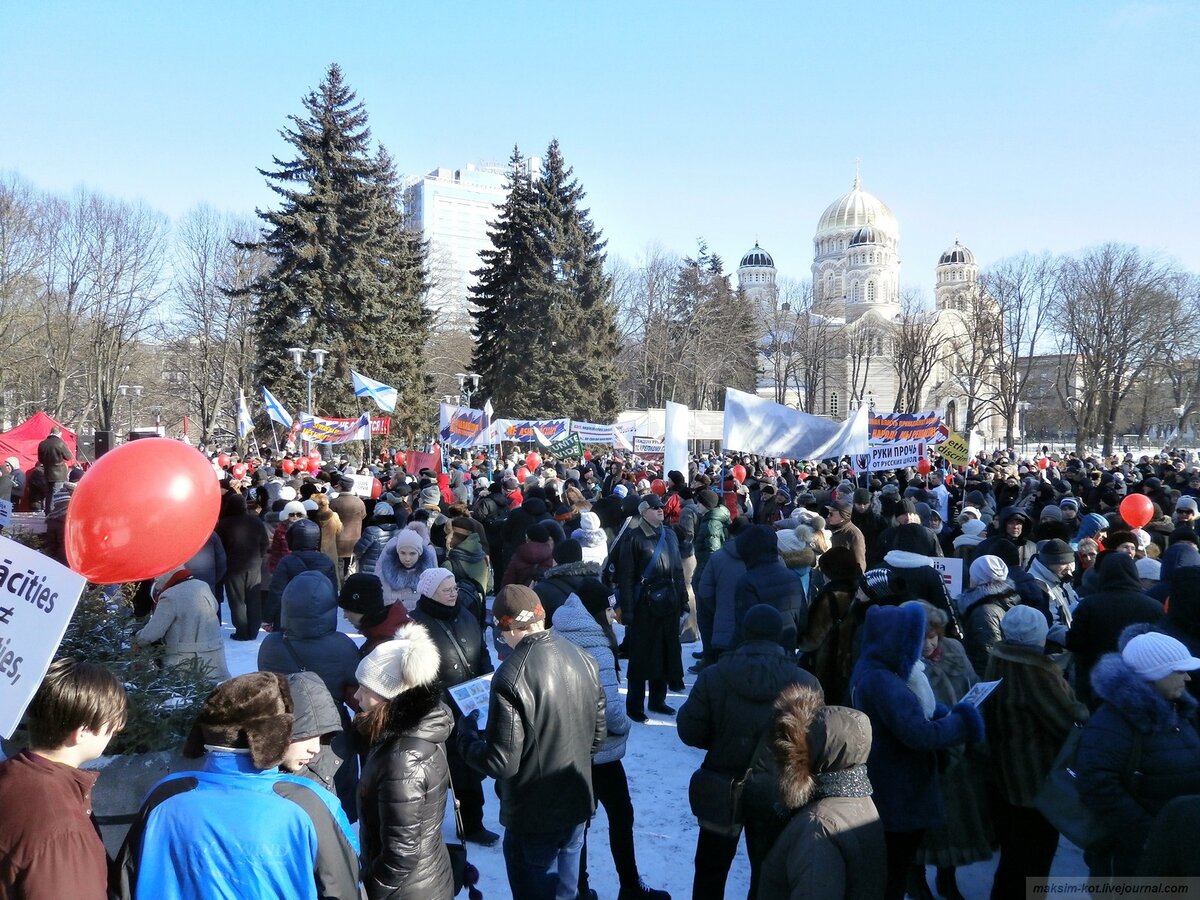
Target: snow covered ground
[659,766]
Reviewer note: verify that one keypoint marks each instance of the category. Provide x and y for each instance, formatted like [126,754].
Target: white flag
[755,425]
[245,424]
[384,396]
[276,410]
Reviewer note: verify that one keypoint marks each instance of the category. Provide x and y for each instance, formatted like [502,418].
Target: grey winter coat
[832,846]
[185,620]
[576,624]
[316,715]
[982,608]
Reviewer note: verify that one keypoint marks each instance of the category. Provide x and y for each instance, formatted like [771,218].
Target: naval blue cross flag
[275,409]
[384,396]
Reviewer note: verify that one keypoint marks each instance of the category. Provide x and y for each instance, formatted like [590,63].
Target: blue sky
[1015,126]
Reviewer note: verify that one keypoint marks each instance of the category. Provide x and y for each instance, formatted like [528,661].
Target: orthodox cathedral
[856,309]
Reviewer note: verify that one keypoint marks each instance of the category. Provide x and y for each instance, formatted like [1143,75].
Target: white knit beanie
[589,521]
[431,580]
[407,661]
[988,568]
[1153,656]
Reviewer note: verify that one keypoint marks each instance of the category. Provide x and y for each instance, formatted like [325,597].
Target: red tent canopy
[22,441]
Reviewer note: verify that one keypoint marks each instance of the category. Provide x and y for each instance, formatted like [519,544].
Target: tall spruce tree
[347,275]
[543,320]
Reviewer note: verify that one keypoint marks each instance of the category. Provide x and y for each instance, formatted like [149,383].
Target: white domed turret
[856,254]
[957,276]
[756,277]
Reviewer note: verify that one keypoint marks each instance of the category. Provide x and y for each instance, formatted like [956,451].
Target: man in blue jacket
[237,827]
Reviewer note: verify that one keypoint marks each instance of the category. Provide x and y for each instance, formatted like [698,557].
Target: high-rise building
[453,209]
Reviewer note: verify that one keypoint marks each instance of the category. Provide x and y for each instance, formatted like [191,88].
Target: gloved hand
[468,730]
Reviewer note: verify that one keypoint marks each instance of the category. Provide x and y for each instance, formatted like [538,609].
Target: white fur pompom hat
[409,660]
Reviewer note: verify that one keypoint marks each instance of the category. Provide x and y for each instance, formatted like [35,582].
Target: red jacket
[50,848]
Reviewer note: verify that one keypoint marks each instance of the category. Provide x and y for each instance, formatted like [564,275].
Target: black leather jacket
[546,719]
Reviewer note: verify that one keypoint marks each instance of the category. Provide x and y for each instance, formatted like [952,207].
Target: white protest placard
[951,570]
[896,455]
[363,485]
[5,513]
[37,600]
[474,695]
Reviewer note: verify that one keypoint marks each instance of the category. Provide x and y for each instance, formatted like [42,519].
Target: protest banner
[951,570]
[755,425]
[37,599]
[418,461]
[592,433]
[522,429]
[922,426]
[677,426]
[956,449]
[462,427]
[5,513]
[334,431]
[894,456]
[566,448]
[647,446]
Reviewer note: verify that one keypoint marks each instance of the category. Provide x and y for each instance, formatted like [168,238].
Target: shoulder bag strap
[462,657]
[287,645]
[658,549]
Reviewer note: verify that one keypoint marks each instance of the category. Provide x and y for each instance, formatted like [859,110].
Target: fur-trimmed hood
[893,637]
[582,569]
[1117,684]
[810,739]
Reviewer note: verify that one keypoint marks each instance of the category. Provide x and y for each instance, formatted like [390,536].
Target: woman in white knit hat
[1140,748]
[402,790]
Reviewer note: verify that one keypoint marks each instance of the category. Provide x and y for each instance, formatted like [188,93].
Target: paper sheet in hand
[474,695]
[977,694]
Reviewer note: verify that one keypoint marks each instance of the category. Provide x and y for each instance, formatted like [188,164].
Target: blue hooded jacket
[902,765]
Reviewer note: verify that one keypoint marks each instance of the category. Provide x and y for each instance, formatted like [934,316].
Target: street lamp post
[468,384]
[129,391]
[318,356]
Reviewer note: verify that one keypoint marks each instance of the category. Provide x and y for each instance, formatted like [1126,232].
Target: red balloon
[314,453]
[924,467]
[222,460]
[301,464]
[376,489]
[1136,510]
[399,458]
[659,487]
[522,474]
[533,461]
[739,473]
[110,540]
[1043,463]
[587,455]
[238,470]
[288,466]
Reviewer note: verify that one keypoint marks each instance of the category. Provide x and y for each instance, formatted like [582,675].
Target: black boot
[947,885]
[916,887]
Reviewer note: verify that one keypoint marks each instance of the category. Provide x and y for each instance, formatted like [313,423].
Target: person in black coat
[1101,617]
[456,633]
[402,792]
[767,580]
[727,714]
[568,576]
[651,604]
[245,542]
[304,542]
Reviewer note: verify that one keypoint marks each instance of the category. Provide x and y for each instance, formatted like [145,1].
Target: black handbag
[719,801]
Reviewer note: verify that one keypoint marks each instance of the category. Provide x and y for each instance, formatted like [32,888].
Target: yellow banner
[956,449]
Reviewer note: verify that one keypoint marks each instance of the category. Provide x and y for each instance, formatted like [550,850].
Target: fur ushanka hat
[251,712]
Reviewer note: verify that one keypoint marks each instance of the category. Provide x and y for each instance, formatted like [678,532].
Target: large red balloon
[533,461]
[288,466]
[522,474]
[112,539]
[739,473]
[1136,510]
[924,467]
[399,458]
[376,489]
[659,487]
[222,460]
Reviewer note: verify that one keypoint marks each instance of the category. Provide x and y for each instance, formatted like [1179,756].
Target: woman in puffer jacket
[1140,748]
[402,791]
[832,846]
[584,621]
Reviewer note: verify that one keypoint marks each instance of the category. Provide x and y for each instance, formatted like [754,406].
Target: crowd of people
[831,668]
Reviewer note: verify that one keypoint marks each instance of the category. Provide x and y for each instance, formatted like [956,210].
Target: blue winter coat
[715,605]
[1170,754]
[902,764]
[313,642]
[374,538]
[289,567]
[776,585]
